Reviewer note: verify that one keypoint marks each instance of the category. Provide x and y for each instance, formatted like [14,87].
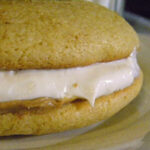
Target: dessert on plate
[63,65]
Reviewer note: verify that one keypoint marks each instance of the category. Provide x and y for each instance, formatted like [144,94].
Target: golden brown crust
[68,116]
[45,34]
[19,105]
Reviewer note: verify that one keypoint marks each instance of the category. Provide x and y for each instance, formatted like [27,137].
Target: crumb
[75,85]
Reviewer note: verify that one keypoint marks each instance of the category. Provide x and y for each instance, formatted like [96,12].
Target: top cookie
[42,34]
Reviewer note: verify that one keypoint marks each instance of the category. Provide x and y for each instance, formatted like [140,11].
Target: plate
[127,130]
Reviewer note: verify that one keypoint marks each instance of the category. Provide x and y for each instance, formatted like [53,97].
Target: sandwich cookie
[63,65]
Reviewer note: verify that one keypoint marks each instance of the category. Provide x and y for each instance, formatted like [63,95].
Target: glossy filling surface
[88,82]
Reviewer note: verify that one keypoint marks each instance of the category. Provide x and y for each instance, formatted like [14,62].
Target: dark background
[139,7]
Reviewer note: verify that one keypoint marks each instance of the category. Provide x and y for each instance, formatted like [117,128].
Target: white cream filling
[88,82]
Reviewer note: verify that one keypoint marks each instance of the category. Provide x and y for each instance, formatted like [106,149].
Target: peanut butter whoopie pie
[63,65]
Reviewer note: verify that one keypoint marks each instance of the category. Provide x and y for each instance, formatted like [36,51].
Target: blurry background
[136,12]
[139,7]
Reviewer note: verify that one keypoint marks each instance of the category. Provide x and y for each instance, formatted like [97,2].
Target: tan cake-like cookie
[63,65]
[86,34]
